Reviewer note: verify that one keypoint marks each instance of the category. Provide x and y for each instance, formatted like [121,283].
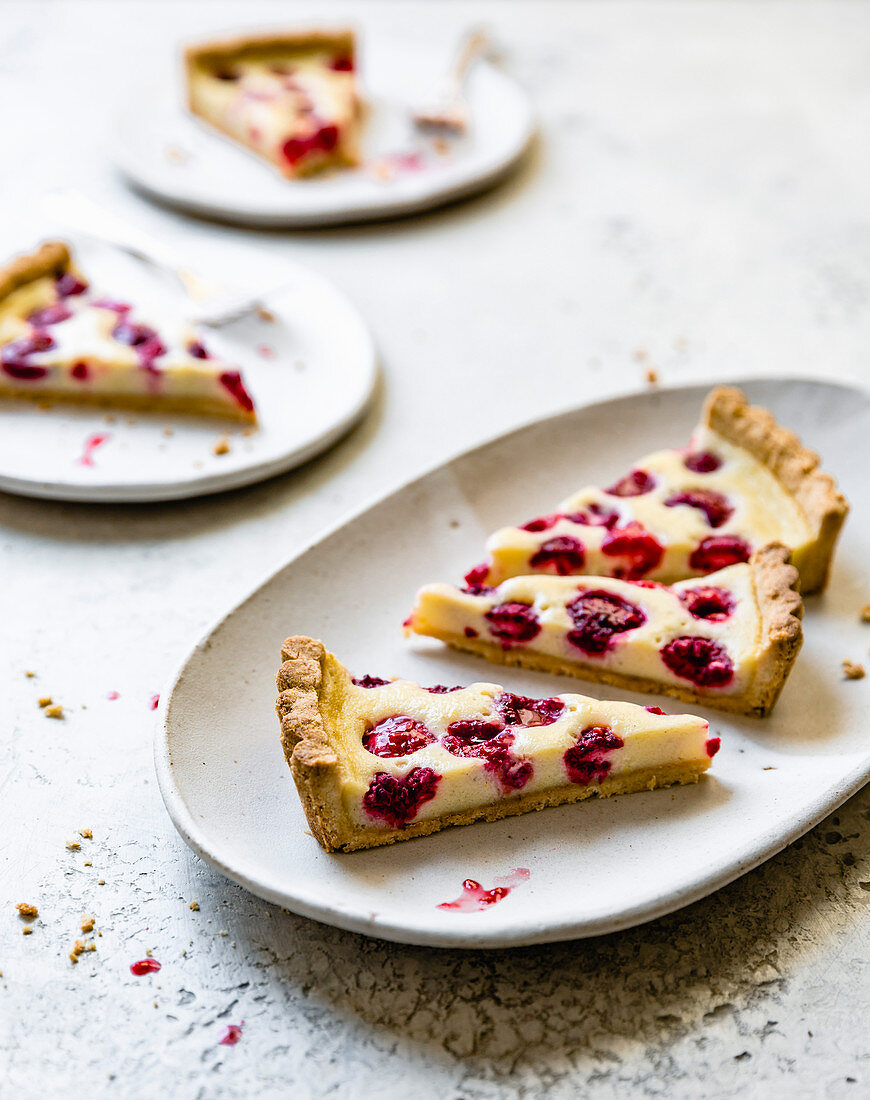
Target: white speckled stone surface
[699,193]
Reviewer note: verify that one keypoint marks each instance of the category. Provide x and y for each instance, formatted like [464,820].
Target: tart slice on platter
[377,761]
[728,641]
[742,482]
[290,98]
[61,340]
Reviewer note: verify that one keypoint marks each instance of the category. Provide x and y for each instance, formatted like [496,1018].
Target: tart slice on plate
[290,98]
[742,482]
[728,641]
[377,761]
[62,340]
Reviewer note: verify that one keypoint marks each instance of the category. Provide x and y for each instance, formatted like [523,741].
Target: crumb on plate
[27,911]
[221,446]
[853,671]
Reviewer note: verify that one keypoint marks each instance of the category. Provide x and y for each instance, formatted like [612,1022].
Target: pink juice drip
[91,444]
[114,695]
[474,898]
[155,702]
[231,1035]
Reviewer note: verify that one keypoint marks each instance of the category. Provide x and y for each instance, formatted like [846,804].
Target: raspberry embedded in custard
[231,380]
[634,484]
[69,285]
[323,140]
[477,575]
[369,681]
[594,515]
[488,740]
[562,555]
[396,736]
[342,64]
[513,622]
[598,616]
[718,552]
[80,371]
[586,761]
[397,799]
[443,689]
[641,550]
[542,523]
[715,506]
[708,602]
[520,710]
[50,315]
[702,462]
[701,660]
[15,356]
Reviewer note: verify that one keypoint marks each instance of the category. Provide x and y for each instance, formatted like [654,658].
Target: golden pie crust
[795,466]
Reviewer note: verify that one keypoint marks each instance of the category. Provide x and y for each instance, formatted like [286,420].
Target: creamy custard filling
[677,514]
[704,636]
[410,754]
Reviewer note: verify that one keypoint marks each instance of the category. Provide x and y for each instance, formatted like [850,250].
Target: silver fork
[447,110]
[214,306]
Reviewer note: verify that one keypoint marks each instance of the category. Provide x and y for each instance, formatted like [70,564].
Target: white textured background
[699,192]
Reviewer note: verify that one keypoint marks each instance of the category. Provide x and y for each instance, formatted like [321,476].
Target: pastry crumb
[265,314]
[441,146]
[44,700]
[167,431]
[79,948]
[148,953]
[88,863]
[853,671]
[27,911]
[90,946]
[110,418]
[101,882]
[194,905]
[88,834]
[73,846]
[27,931]
[29,674]
[652,377]
[221,446]
[87,924]
[865,617]
[54,711]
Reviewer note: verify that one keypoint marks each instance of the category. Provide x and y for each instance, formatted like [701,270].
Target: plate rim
[201,485]
[530,933]
[345,214]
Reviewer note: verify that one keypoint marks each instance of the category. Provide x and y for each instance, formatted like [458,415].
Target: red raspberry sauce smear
[474,898]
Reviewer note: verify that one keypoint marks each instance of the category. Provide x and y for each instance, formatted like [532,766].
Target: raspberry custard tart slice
[743,482]
[290,98]
[62,340]
[728,640]
[377,761]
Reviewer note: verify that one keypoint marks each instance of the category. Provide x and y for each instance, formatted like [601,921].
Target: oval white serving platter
[173,158]
[595,867]
[311,373]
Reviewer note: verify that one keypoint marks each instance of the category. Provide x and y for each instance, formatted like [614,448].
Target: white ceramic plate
[311,374]
[174,159]
[595,867]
